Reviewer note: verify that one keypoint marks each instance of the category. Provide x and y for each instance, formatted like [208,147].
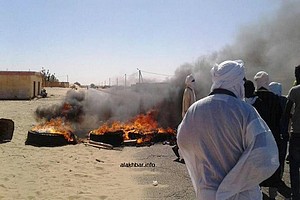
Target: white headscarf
[262,79]
[276,88]
[190,81]
[229,75]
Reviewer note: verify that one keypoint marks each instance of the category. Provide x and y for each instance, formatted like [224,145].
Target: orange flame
[66,108]
[56,126]
[144,125]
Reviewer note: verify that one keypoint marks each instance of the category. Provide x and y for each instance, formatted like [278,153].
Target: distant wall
[20,85]
[56,84]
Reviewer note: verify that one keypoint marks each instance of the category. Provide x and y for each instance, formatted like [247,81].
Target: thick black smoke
[71,109]
[122,104]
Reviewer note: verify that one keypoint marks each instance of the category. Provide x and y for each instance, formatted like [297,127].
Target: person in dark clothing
[276,88]
[43,93]
[271,112]
[294,144]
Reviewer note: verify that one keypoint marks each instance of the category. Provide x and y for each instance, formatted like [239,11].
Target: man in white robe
[189,96]
[228,149]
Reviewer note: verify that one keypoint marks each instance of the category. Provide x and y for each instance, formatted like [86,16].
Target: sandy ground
[84,172]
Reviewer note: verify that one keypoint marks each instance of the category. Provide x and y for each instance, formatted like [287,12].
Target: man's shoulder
[296,87]
[266,95]
[295,90]
[264,92]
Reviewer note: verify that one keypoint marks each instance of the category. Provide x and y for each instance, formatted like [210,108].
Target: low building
[20,85]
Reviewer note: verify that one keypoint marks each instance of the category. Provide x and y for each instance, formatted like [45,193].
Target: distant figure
[43,93]
[189,96]
[228,149]
[294,144]
[271,111]
[188,99]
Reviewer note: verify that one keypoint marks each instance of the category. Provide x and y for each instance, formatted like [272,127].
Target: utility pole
[125,81]
[140,75]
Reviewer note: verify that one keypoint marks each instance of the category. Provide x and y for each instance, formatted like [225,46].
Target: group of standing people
[234,141]
[270,104]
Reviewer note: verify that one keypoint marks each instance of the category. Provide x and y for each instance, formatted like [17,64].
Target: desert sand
[85,172]
[80,171]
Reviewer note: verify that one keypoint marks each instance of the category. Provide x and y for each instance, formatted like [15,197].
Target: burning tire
[47,139]
[114,138]
[162,137]
[6,130]
[155,137]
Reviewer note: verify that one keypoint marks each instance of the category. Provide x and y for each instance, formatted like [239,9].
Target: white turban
[276,88]
[190,81]
[262,79]
[229,75]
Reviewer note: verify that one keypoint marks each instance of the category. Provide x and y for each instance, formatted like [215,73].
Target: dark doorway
[39,88]
[33,89]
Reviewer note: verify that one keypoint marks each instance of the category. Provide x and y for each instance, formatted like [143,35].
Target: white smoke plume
[272,45]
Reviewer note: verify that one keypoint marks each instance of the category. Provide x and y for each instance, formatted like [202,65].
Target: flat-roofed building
[20,85]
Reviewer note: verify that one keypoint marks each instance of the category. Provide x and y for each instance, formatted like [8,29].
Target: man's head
[262,79]
[249,88]
[229,75]
[190,81]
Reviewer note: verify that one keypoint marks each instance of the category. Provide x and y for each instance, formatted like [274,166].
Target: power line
[155,73]
[140,76]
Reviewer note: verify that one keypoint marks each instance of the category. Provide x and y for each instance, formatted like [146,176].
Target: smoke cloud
[272,45]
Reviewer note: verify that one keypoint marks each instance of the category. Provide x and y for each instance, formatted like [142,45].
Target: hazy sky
[94,41]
